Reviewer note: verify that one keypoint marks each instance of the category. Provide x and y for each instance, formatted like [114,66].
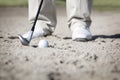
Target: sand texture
[65,59]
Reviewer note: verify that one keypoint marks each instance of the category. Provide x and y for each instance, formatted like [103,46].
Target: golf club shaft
[40,6]
[26,41]
[33,27]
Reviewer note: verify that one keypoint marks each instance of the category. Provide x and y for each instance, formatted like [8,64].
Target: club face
[23,40]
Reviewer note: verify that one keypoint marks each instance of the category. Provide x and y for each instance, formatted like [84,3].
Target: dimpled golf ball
[43,44]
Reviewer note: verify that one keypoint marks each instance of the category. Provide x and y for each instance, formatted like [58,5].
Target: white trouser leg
[47,18]
[78,12]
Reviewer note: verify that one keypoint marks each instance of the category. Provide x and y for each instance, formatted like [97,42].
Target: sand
[65,59]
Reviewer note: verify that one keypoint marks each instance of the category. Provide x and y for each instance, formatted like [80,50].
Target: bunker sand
[65,59]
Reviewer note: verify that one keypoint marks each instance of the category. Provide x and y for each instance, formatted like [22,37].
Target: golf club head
[23,40]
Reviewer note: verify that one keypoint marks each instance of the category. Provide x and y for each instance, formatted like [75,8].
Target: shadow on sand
[115,36]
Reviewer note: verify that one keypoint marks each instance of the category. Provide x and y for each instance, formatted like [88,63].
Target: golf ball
[43,44]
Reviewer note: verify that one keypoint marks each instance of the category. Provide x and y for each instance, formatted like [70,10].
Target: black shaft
[40,6]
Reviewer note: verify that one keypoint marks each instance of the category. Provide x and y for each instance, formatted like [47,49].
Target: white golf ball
[43,44]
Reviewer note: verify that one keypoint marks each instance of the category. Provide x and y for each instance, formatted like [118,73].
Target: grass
[61,2]
[106,4]
[97,4]
[13,2]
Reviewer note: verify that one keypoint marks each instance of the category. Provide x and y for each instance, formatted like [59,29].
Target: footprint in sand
[54,76]
[1,37]
[13,37]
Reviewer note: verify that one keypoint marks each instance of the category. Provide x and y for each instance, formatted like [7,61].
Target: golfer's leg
[78,12]
[47,19]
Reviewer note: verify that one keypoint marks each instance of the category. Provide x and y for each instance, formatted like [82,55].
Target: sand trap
[65,59]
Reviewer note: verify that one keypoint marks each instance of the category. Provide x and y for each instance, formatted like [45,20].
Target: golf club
[26,41]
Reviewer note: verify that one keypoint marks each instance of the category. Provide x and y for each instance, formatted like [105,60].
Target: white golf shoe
[39,31]
[26,38]
[81,34]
